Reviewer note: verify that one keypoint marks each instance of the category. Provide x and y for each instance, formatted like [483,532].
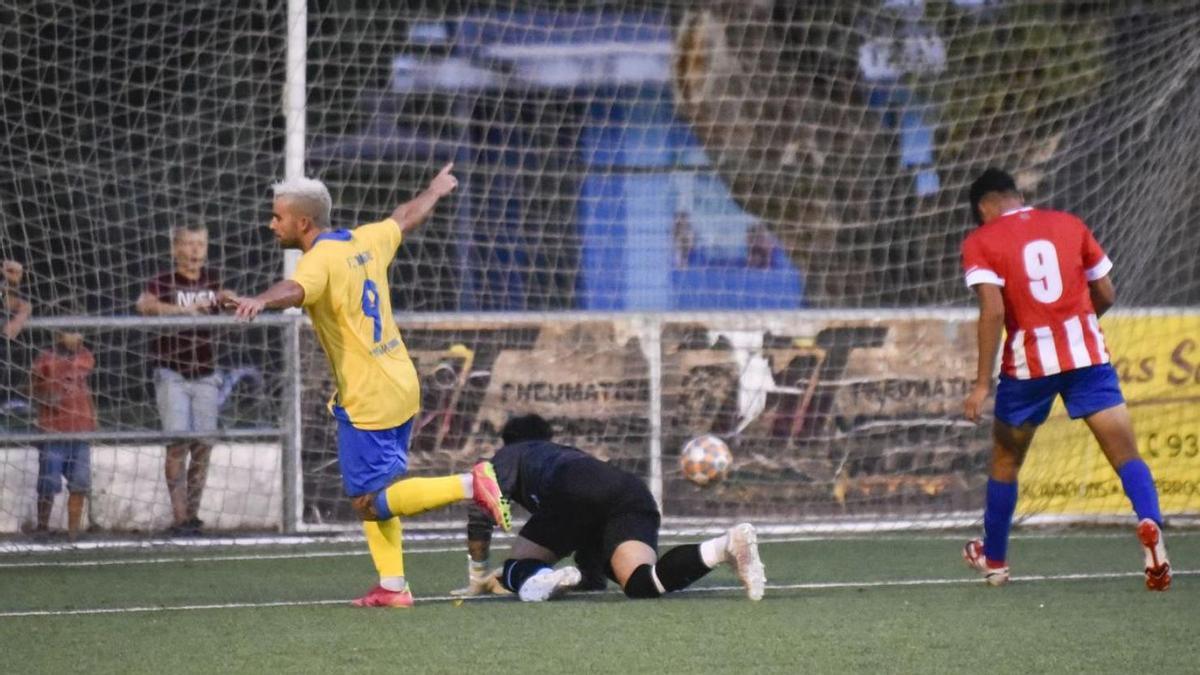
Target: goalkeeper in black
[604,515]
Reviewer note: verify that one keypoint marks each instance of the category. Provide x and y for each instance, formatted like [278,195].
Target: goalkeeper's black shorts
[591,508]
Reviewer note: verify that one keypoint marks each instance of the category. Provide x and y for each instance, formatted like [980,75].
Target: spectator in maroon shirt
[63,399]
[186,380]
[14,312]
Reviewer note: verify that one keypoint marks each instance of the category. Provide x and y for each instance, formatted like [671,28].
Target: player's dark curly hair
[531,427]
[991,180]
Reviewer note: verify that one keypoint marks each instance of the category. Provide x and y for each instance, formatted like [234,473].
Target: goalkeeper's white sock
[712,552]
[396,584]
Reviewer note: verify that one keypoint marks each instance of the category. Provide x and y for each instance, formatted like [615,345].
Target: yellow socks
[411,496]
[387,550]
[405,498]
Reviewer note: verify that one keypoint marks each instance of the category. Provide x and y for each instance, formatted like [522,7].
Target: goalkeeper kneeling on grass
[604,515]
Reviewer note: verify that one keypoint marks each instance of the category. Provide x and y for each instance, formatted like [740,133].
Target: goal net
[674,218]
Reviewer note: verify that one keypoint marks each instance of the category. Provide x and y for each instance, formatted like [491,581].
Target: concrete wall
[129,493]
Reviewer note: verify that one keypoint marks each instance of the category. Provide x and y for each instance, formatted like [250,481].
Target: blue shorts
[1085,391]
[59,459]
[371,460]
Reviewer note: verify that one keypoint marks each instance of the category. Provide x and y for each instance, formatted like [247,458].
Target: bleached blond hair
[309,194]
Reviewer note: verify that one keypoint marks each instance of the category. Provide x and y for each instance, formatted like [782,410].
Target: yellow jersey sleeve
[383,238]
[312,273]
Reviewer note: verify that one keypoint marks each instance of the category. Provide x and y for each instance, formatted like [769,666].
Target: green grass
[1077,625]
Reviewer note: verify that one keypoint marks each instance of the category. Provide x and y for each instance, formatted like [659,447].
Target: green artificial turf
[825,611]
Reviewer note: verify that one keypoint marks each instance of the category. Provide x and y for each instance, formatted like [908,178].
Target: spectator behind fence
[63,398]
[186,381]
[14,312]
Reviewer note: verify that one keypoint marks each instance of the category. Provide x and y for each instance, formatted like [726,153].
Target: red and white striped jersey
[1042,260]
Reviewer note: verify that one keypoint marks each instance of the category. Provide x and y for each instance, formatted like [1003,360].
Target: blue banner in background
[583,189]
[660,229]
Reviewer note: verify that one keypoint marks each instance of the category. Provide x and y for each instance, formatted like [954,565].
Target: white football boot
[976,560]
[742,553]
[1158,567]
[549,583]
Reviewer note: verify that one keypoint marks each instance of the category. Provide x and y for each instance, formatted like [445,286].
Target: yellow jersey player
[341,280]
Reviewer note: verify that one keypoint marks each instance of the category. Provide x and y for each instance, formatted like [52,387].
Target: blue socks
[997,518]
[1002,501]
[1139,487]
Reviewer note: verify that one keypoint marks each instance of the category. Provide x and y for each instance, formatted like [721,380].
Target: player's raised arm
[989,329]
[412,213]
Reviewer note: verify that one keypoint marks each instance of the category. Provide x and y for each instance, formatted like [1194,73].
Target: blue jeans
[59,459]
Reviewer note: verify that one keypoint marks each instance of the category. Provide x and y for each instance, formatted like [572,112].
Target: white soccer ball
[705,459]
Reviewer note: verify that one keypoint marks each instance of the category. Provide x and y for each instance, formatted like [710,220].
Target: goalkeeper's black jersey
[526,472]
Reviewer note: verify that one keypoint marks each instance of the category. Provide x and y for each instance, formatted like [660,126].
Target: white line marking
[217,558]
[942,528]
[811,586]
[357,551]
[176,608]
[203,559]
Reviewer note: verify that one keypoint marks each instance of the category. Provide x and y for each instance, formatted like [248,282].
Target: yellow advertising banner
[1158,359]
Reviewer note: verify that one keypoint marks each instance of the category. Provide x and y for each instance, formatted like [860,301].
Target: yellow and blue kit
[345,280]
